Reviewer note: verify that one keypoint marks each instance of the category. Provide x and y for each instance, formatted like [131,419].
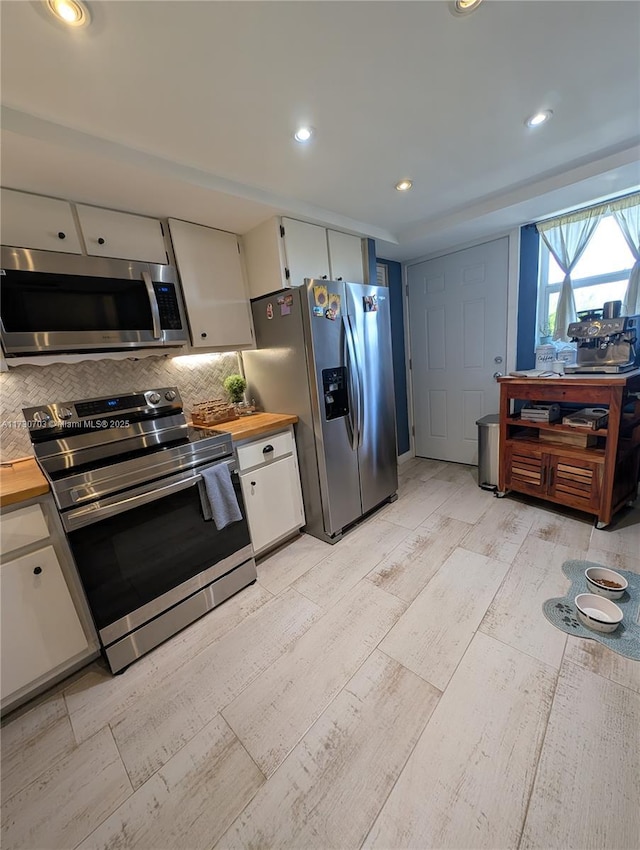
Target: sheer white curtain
[566,237]
[627,214]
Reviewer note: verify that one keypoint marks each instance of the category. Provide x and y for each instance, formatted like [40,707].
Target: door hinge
[413,430]
[282,231]
[410,364]
[287,274]
[161,228]
[406,289]
[238,244]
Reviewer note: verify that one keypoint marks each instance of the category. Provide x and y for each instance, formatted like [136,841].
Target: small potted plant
[235,385]
[546,332]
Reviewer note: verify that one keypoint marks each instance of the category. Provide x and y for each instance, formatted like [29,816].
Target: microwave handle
[153,303]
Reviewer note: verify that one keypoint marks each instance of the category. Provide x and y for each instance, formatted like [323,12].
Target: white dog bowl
[598,613]
[601,581]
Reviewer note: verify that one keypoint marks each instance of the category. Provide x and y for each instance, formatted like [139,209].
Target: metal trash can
[488,447]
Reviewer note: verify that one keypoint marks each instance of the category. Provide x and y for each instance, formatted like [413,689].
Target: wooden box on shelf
[581,439]
[213,412]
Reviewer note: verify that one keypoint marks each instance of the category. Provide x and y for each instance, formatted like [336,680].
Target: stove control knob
[41,417]
[153,398]
[65,413]
[170,395]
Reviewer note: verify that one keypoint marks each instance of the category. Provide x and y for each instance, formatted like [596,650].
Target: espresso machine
[606,341]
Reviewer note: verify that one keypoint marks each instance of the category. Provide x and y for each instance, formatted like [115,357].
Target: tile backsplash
[198,378]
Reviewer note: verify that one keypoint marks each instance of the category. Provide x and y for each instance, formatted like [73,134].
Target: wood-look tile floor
[401,689]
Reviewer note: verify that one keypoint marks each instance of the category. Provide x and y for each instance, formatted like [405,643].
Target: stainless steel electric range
[126,475]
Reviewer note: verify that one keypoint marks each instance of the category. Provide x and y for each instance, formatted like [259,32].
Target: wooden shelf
[555,426]
[530,441]
[599,478]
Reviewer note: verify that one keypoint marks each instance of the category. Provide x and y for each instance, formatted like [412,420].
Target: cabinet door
[40,628]
[526,470]
[306,251]
[345,256]
[575,482]
[108,233]
[213,284]
[273,500]
[31,221]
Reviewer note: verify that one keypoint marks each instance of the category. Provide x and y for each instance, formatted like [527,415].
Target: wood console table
[599,479]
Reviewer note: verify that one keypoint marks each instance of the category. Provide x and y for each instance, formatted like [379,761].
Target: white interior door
[458,327]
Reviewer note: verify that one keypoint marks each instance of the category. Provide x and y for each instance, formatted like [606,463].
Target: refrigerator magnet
[269,310]
[334,304]
[320,296]
[285,302]
[370,303]
[318,312]
[330,314]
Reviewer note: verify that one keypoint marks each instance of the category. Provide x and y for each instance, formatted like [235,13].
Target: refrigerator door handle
[356,378]
[349,353]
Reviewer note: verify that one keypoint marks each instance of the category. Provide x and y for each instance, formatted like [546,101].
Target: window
[601,274]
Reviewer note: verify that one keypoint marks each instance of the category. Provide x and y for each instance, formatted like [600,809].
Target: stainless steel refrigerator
[324,354]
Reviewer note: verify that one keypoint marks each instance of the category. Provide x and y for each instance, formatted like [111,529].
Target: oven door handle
[96,511]
[153,303]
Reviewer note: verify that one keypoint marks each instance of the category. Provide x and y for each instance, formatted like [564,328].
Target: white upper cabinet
[283,252]
[48,224]
[306,251]
[213,284]
[108,233]
[345,256]
[44,224]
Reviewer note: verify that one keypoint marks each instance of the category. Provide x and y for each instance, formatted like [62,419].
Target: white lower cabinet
[271,489]
[46,631]
[40,628]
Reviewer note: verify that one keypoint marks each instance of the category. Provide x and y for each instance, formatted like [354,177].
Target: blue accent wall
[527,297]
[399,362]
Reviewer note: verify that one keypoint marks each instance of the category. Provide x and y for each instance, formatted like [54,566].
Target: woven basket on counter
[213,412]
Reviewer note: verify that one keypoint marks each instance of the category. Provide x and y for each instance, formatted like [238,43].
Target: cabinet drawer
[22,527]
[40,629]
[258,452]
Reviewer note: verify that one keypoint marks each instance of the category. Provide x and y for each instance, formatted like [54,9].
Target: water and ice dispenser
[334,386]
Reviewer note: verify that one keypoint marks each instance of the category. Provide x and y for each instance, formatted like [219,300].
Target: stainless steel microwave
[67,302]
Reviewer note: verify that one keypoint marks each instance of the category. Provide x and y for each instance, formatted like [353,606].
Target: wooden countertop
[21,480]
[252,426]
[591,379]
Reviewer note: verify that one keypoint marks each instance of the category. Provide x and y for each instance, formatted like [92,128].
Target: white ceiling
[187,109]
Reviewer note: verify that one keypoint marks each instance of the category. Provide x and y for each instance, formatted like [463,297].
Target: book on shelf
[590,418]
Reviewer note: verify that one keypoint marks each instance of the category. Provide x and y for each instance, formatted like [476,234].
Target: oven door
[142,552]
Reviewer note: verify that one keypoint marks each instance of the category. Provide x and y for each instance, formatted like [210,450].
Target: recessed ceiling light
[539,118]
[464,7]
[404,185]
[72,12]
[303,134]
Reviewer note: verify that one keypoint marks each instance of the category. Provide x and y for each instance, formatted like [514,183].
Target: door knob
[497,375]
[497,359]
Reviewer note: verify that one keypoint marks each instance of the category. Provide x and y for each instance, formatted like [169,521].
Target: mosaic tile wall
[198,378]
